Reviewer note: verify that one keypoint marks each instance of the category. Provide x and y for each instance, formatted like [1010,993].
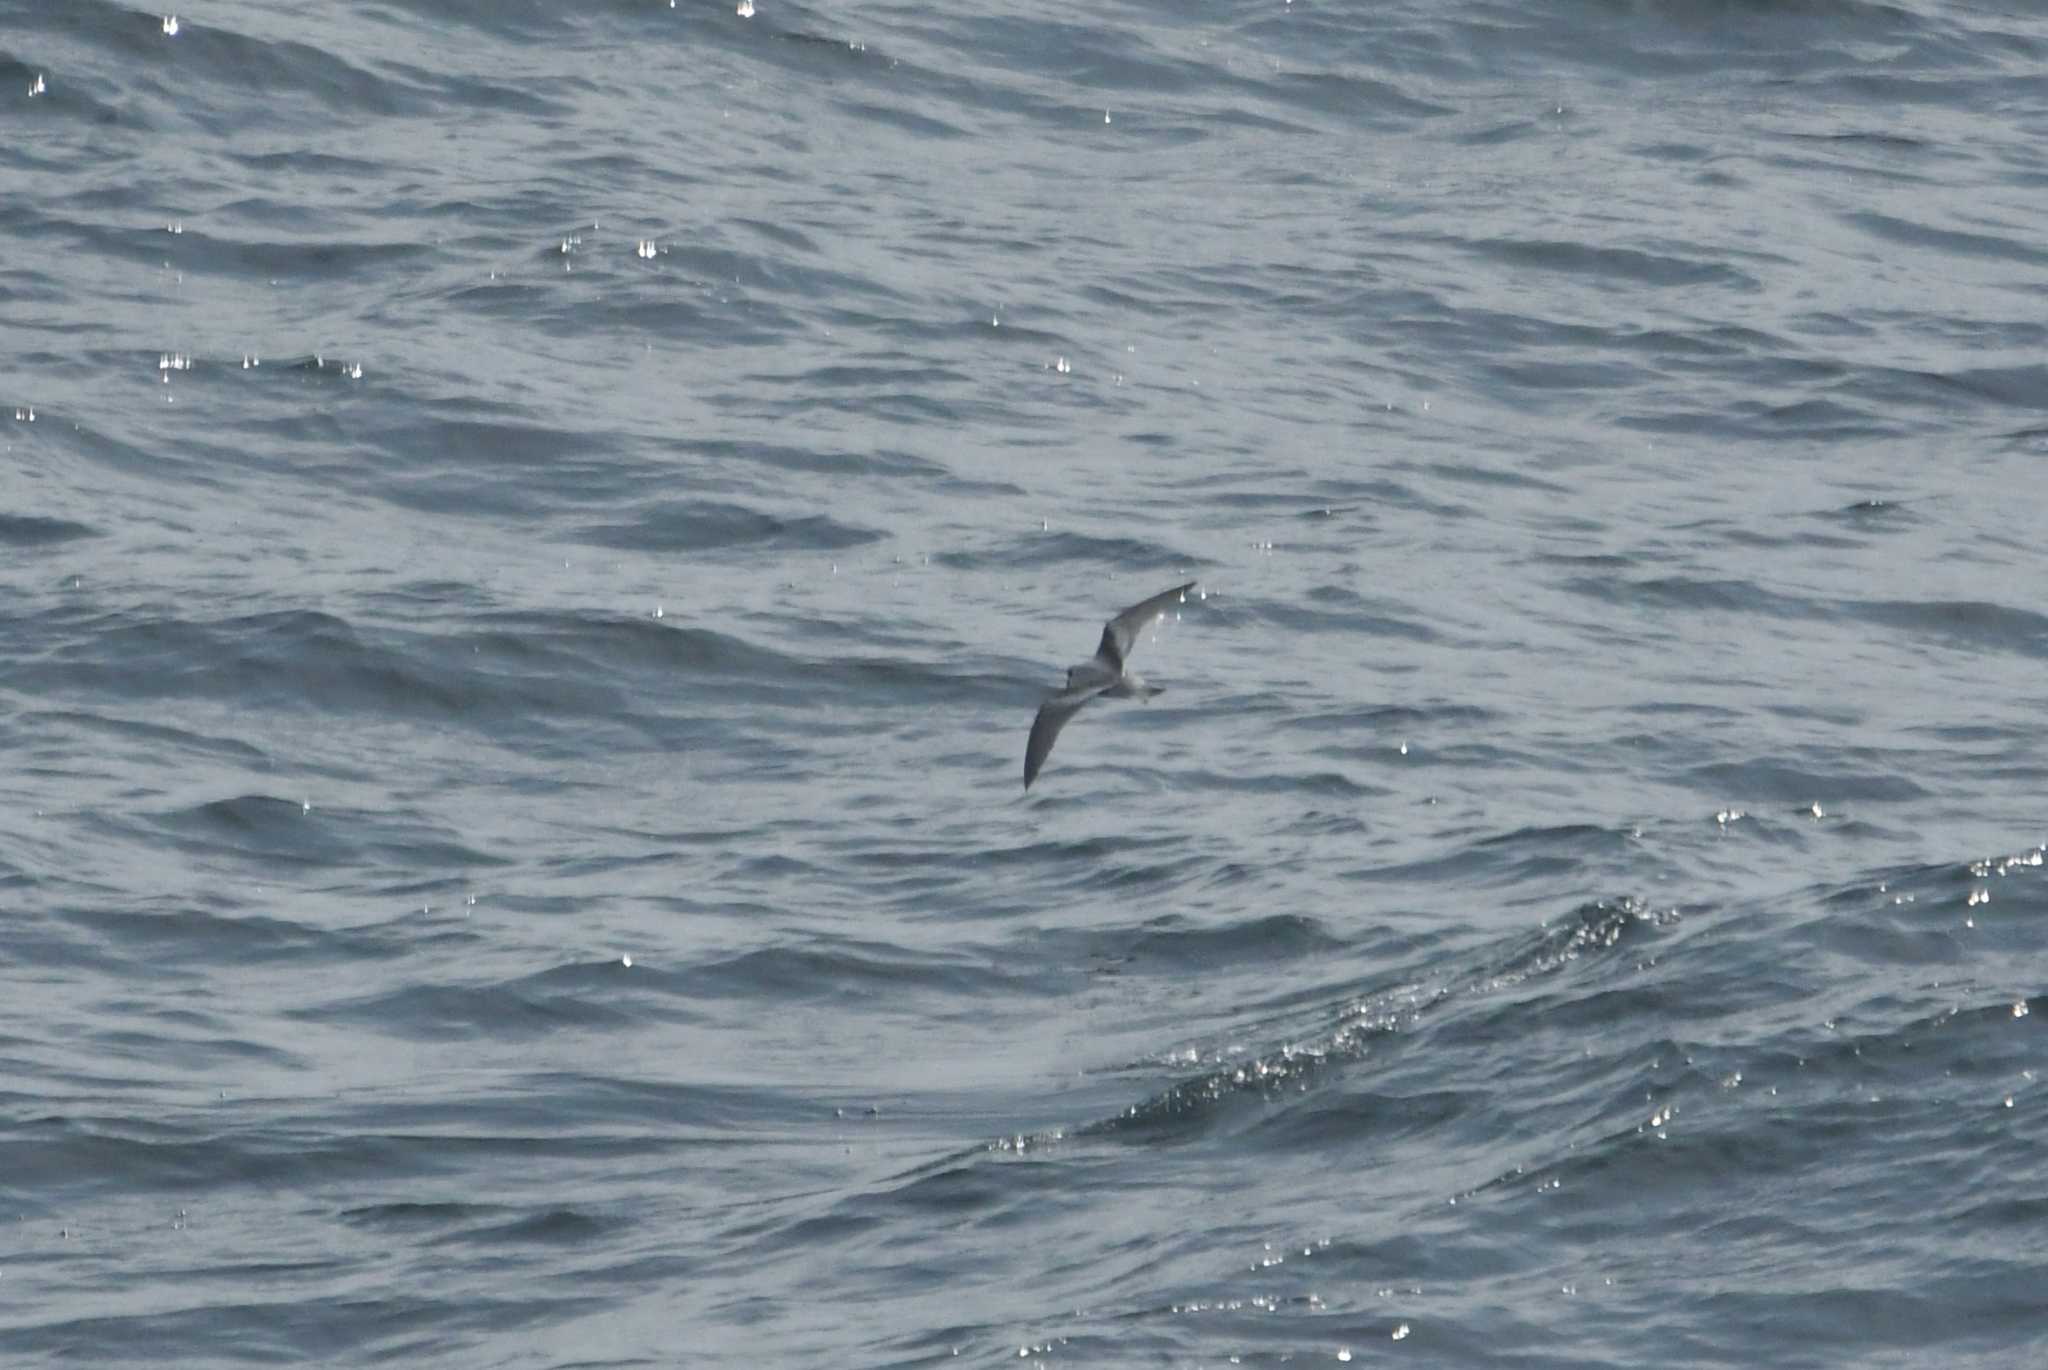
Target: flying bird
[1101,676]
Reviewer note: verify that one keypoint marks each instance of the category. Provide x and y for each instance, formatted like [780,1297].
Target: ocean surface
[533,535]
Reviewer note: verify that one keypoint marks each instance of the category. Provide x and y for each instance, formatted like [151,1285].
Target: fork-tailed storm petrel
[1101,675]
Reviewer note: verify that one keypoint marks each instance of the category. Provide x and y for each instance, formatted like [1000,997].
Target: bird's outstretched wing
[1045,729]
[1121,633]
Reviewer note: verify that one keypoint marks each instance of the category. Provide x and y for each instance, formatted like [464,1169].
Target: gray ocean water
[533,535]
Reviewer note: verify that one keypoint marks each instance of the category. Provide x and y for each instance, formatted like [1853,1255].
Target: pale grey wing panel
[1045,729]
[1121,634]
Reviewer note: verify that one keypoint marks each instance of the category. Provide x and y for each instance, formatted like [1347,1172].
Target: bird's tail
[1130,687]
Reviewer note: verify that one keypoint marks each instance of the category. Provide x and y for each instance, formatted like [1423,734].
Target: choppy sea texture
[532,536]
